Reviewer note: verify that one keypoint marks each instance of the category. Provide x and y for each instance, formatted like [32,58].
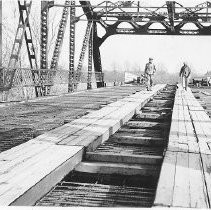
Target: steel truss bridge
[168,19]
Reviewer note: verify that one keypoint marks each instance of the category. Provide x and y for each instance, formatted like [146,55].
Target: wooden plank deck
[185,179]
[22,121]
[30,170]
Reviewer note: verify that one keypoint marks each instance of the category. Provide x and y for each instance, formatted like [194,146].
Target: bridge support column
[90,56]
[1,70]
[96,55]
[72,79]
[44,35]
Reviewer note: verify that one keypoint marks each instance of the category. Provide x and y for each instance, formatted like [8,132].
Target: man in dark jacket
[185,74]
[149,72]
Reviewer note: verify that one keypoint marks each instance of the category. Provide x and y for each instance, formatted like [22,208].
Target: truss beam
[96,55]
[172,16]
[72,79]
[90,56]
[83,50]
[0,35]
[60,36]
[23,31]
[44,34]
[1,69]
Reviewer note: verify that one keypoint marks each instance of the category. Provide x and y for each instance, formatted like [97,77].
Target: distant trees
[162,75]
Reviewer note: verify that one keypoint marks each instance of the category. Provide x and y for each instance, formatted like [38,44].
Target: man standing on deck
[149,72]
[185,74]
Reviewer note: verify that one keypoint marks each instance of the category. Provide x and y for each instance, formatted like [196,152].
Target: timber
[117,168]
[26,172]
[184,175]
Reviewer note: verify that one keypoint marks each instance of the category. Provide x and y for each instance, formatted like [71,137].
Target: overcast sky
[124,50]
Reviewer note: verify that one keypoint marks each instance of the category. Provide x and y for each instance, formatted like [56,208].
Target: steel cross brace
[60,36]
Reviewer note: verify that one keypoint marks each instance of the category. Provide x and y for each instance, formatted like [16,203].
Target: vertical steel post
[60,36]
[0,33]
[83,50]
[44,35]
[207,3]
[1,69]
[90,56]
[171,13]
[96,55]
[71,80]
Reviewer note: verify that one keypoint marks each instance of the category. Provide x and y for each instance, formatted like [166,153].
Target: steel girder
[44,35]
[96,54]
[72,79]
[94,44]
[83,50]
[1,69]
[0,37]
[60,36]
[172,17]
[171,14]
[90,56]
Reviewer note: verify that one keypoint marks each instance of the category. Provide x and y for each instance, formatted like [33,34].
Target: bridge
[69,138]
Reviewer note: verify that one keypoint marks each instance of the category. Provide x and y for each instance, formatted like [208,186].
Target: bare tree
[9,28]
[127,66]
[53,29]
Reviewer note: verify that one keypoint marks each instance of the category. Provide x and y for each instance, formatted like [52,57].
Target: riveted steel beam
[60,36]
[171,13]
[0,34]
[44,34]
[72,79]
[90,57]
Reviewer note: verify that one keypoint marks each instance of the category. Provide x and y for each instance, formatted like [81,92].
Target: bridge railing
[23,77]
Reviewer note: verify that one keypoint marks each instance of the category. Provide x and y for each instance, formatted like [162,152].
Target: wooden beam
[165,188]
[30,170]
[124,158]
[146,124]
[142,140]
[117,168]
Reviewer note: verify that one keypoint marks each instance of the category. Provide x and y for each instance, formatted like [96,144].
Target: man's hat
[150,58]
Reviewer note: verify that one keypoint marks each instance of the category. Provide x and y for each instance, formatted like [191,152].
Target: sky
[129,50]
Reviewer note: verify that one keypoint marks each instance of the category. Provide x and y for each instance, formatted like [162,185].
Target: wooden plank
[117,168]
[29,177]
[186,186]
[45,185]
[198,191]
[153,116]
[123,158]
[191,138]
[202,138]
[6,155]
[165,188]
[101,128]
[77,138]
[206,163]
[138,131]
[181,195]
[38,167]
[142,140]
[6,164]
[20,169]
[146,124]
